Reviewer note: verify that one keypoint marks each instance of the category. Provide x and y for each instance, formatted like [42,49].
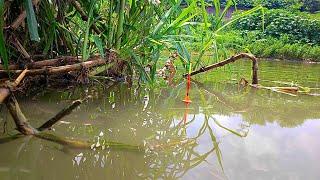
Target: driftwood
[66,111]
[231,60]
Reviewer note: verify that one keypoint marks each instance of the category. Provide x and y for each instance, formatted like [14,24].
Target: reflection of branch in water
[220,98]
[10,138]
[87,144]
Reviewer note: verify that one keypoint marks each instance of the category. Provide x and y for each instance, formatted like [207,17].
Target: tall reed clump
[138,31]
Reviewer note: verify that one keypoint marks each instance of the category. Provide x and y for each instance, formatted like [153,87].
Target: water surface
[228,132]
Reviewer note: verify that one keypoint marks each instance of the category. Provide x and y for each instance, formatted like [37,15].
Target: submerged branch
[64,112]
[80,144]
[231,60]
[20,120]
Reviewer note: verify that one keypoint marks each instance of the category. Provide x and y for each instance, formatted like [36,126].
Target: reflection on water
[228,132]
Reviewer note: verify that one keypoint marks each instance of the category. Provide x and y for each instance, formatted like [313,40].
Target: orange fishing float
[187,98]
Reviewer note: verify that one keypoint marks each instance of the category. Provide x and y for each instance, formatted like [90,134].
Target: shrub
[278,23]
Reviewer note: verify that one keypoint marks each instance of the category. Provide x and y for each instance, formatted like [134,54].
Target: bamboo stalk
[231,60]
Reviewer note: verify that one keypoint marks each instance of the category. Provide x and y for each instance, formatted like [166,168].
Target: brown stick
[84,17]
[20,48]
[60,69]
[49,62]
[5,92]
[64,112]
[20,120]
[231,60]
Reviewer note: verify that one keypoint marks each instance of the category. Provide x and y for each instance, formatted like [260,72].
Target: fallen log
[231,60]
[60,69]
[66,60]
[64,112]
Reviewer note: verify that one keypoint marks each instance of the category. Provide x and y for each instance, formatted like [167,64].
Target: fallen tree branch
[49,62]
[60,69]
[231,60]
[64,112]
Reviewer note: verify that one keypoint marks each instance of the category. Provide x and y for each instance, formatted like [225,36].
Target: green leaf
[32,21]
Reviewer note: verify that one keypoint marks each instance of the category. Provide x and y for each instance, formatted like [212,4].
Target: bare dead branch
[231,60]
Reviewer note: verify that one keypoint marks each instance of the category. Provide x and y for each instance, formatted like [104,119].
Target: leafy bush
[280,22]
[304,5]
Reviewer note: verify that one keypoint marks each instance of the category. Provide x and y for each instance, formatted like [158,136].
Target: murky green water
[228,132]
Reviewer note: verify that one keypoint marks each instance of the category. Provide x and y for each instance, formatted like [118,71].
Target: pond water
[227,132]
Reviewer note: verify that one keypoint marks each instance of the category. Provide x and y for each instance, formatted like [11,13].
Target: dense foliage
[281,48]
[277,23]
[305,5]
